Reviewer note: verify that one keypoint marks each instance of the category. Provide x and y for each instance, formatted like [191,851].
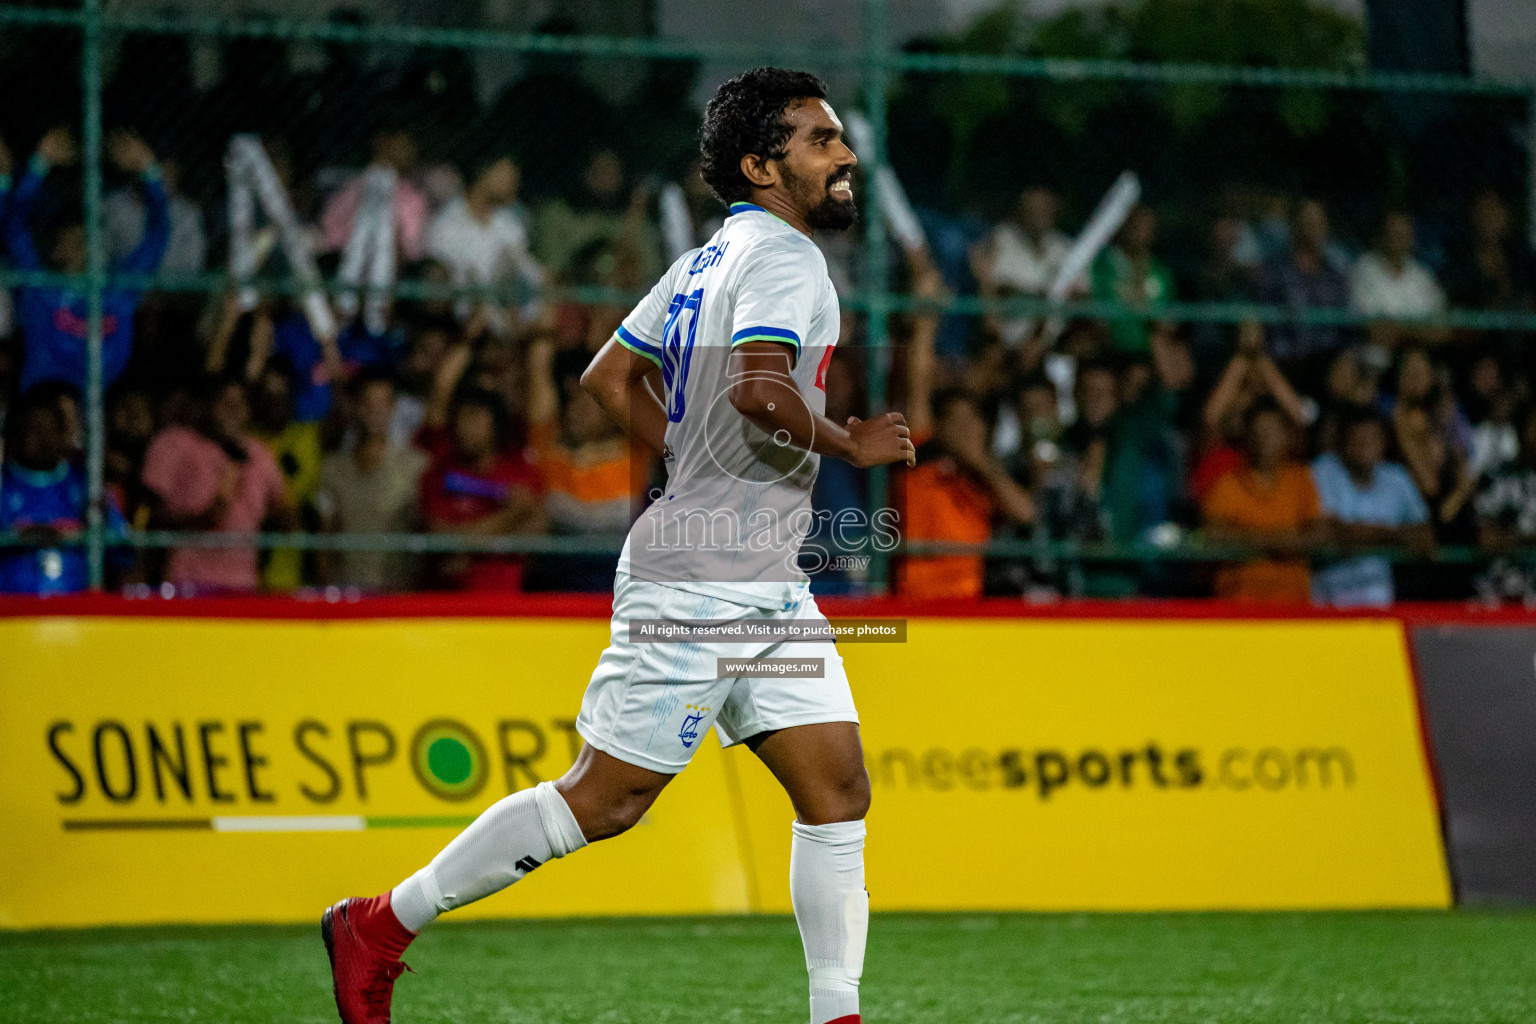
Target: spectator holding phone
[215,477]
[1250,377]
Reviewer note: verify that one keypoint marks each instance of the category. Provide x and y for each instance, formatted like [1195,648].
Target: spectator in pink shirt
[216,478]
[394,148]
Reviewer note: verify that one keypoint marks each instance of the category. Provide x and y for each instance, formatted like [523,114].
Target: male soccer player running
[738,336]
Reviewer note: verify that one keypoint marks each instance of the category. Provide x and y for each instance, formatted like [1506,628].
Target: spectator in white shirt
[483,242]
[1022,256]
[1389,282]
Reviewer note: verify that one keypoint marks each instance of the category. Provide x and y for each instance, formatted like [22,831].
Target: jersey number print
[677,352]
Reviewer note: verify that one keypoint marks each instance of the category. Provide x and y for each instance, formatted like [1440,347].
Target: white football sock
[826,884]
[515,835]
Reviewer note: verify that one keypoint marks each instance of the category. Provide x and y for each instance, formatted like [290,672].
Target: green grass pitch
[1463,967]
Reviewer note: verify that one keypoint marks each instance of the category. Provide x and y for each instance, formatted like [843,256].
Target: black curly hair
[474,397]
[747,116]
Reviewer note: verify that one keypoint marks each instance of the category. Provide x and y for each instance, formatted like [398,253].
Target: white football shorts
[649,703]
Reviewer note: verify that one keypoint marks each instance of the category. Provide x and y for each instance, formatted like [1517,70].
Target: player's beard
[822,211]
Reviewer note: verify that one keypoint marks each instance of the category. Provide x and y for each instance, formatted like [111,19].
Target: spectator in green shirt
[1128,272]
[1145,468]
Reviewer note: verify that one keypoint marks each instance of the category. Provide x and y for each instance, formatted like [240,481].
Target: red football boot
[364,940]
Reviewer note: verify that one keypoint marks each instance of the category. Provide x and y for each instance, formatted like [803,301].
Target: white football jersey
[738,501]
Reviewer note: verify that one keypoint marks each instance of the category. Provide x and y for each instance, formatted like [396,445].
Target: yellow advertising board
[203,770]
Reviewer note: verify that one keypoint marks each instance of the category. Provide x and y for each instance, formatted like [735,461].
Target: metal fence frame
[877,59]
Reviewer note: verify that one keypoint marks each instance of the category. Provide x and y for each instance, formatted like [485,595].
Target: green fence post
[875,267]
[95,420]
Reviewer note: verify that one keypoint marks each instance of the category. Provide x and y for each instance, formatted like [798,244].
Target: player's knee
[613,815]
[618,818]
[845,798]
[856,796]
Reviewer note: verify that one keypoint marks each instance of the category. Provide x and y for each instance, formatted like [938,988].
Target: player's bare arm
[765,393]
[617,380]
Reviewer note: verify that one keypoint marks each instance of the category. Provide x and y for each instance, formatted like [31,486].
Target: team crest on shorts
[689,733]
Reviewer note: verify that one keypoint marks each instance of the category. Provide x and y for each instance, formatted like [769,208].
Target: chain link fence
[317,212]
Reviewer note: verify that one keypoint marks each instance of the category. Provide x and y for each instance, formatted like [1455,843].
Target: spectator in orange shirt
[594,475]
[1249,378]
[958,488]
[1271,504]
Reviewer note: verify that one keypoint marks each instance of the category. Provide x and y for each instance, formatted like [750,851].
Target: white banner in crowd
[370,252]
[676,223]
[1112,210]
[1107,218]
[252,180]
[894,205]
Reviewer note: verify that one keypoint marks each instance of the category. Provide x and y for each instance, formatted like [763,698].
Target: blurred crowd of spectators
[462,416]
[1325,451]
[1303,455]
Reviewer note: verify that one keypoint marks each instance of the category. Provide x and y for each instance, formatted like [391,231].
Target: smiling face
[816,171]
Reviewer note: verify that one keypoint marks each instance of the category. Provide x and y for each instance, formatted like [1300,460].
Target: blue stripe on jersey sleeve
[638,345]
[779,334]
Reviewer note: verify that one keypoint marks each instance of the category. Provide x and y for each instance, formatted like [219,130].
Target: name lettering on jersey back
[707,257]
